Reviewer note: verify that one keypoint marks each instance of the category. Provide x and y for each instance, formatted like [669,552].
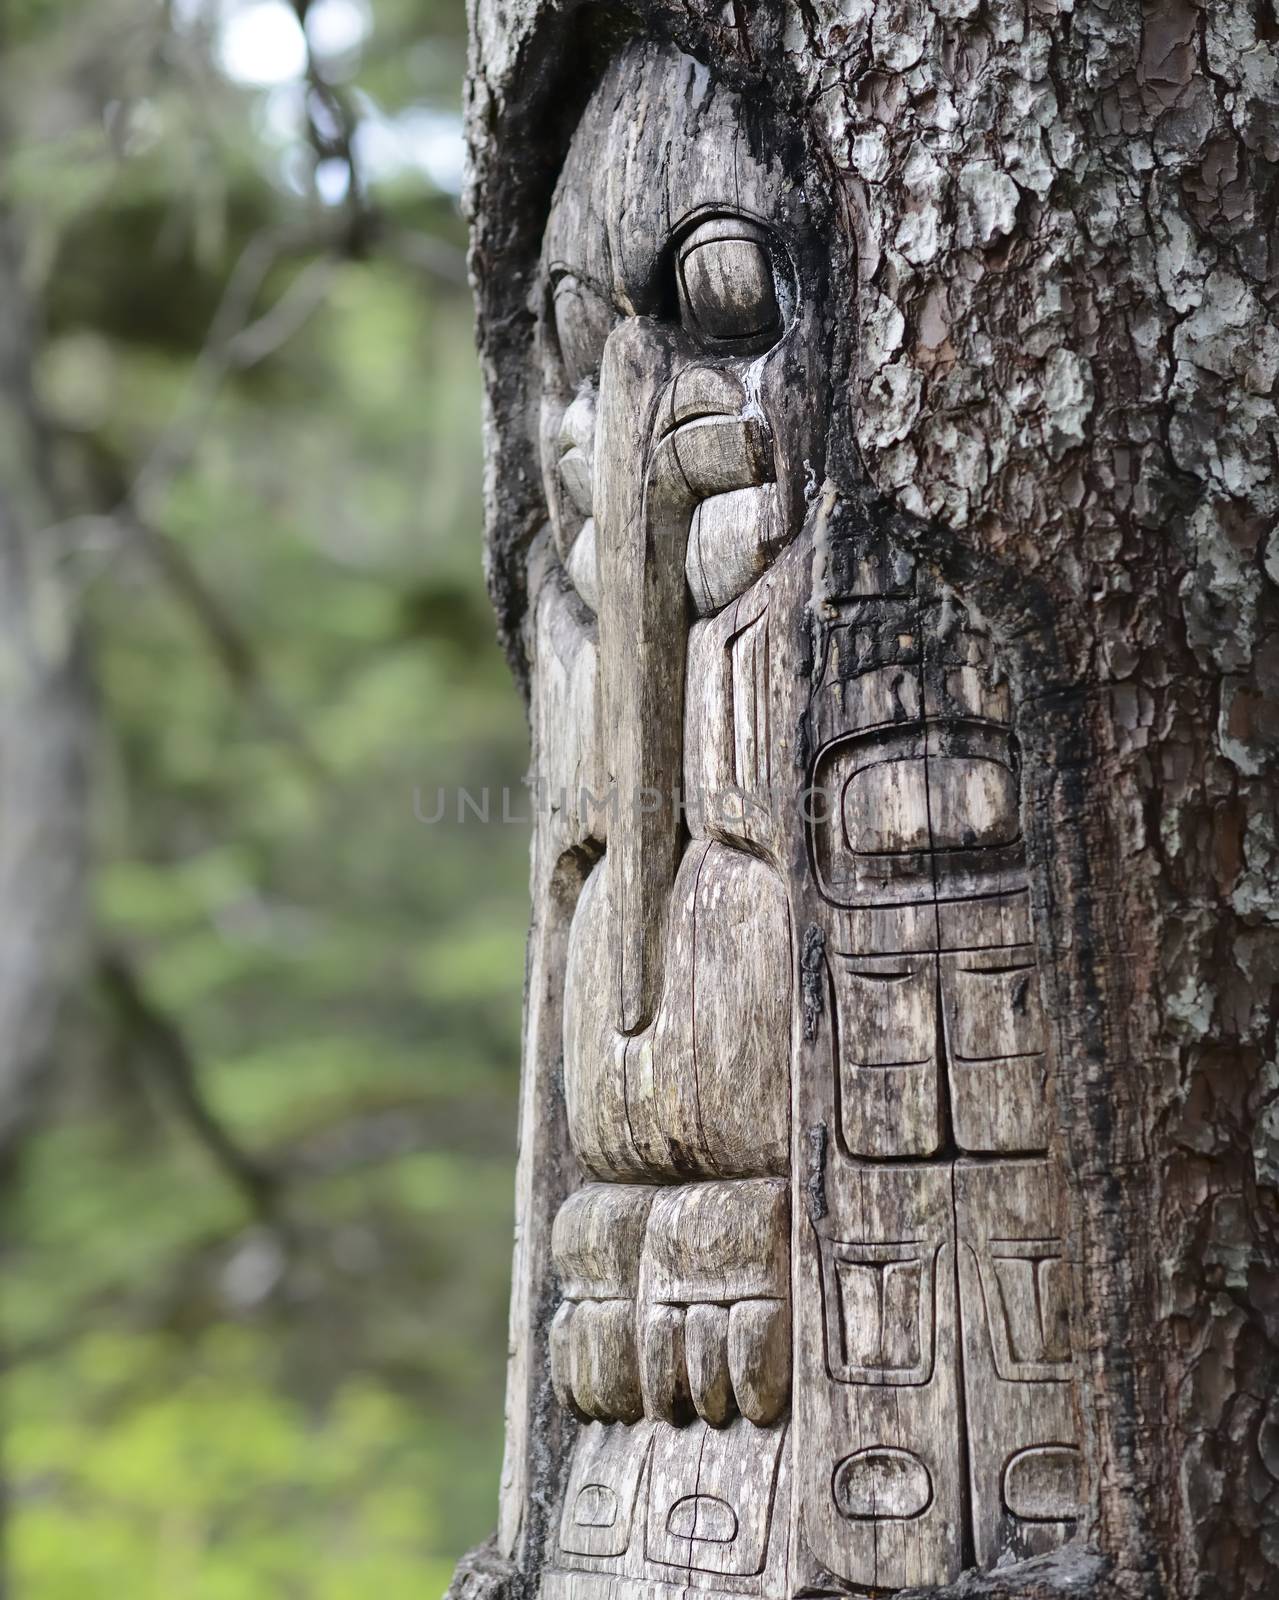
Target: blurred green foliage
[217,1395]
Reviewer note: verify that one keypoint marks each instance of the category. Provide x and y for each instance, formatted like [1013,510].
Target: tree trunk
[44,738]
[45,729]
[896,600]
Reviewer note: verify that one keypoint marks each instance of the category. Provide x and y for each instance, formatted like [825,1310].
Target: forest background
[258,1181]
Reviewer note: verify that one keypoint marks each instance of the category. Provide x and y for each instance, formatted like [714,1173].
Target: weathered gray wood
[997,1048]
[759,1357]
[679,1000]
[603,1361]
[726,283]
[731,541]
[596,1242]
[706,1085]
[664,1376]
[1025,1467]
[878,1392]
[602,1495]
[890,1088]
[712,1499]
[597,1239]
[640,554]
[714,1300]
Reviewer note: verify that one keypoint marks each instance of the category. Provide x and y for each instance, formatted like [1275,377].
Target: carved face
[670,241]
[801,1056]
[681,421]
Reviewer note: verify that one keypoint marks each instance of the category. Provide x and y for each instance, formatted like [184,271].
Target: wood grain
[1024,1458]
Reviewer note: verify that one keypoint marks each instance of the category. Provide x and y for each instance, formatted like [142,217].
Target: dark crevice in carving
[813,980]
[816,1184]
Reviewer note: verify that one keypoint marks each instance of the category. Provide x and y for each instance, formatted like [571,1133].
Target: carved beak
[654,463]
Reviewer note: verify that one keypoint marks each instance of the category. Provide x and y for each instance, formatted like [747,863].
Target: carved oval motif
[595,1506]
[896,807]
[1042,1484]
[972,802]
[703,1518]
[882,1483]
[885,808]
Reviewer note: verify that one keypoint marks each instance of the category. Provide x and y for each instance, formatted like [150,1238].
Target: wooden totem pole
[882,449]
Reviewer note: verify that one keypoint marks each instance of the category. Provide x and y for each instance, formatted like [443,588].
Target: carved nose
[643,626]
[665,443]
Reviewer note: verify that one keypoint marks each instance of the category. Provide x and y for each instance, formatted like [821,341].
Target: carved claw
[714,1298]
[716,1362]
[594,1362]
[596,1243]
[663,1368]
[759,1349]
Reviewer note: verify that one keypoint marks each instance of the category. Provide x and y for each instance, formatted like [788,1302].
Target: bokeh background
[258,1211]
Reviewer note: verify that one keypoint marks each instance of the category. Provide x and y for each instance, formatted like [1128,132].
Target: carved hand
[715,1303]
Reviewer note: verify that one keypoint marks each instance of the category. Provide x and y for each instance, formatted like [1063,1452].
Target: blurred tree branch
[45,734]
[157,1043]
[348,1143]
[331,125]
[236,342]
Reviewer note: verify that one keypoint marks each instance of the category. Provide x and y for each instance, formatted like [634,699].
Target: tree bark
[1033,248]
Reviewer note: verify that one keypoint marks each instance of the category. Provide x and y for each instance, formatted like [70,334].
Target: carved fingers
[732,540]
[759,1357]
[677,1303]
[596,1242]
[717,1362]
[715,1303]
[713,471]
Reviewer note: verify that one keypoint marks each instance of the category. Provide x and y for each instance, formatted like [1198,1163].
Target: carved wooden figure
[813,1320]
[883,477]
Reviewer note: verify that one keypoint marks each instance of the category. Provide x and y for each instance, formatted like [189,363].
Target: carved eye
[583,319]
[727,288]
